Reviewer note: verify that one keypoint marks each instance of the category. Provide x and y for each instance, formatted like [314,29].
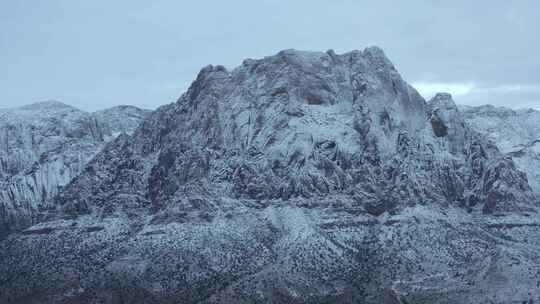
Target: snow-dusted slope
[516,132]
[303,177]
[121,119]
[43,146]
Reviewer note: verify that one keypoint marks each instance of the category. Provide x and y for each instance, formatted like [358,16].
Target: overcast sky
[96,54]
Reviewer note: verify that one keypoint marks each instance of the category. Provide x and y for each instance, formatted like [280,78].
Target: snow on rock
[121,119]
[302,124]
[43,146]
[515,132]
[302,177]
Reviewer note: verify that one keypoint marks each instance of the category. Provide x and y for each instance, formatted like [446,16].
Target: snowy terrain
[516,132]
[43,146]
[302,177]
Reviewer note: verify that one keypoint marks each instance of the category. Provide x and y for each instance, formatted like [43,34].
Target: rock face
[43,146]
[516,133]
[302,177]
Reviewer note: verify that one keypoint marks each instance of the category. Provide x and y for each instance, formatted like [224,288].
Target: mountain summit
[302,125]
[303,177]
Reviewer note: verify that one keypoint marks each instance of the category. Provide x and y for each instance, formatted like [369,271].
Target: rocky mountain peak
[377,56]
[443,100]
[46,104]
[120,119]
[447,121]
[302,177]
[295,125]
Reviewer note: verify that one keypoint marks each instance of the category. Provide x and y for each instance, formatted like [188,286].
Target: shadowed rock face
[439,128]
[45,145]
[302,177]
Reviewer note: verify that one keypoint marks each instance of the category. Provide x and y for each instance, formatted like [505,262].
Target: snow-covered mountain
[302,177]
[515,132]
[121,119]
[43,146]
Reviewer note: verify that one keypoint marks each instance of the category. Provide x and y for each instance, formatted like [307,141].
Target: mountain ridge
[45,145]
[296,178]
[516,132]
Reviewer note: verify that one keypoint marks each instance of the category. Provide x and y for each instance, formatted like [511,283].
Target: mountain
[516,133]
[121,119]
[43,146]
[303,177]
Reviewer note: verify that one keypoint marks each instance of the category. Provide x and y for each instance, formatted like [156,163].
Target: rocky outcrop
[491,172]
[43,147]
[303,177]
[515,132]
